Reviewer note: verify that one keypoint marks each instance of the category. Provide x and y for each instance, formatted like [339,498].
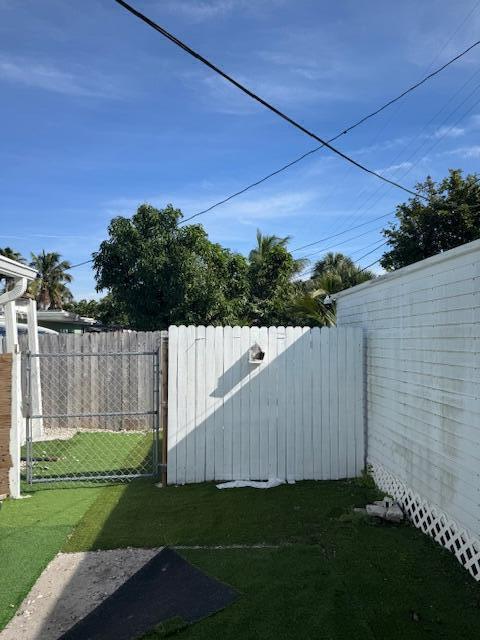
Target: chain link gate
[98,417]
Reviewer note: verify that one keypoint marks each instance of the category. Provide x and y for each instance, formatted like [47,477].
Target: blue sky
[99,113]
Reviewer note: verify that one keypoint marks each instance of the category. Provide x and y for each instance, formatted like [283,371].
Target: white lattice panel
[431,520]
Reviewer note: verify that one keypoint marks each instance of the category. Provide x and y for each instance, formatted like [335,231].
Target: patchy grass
[93,453]
[141,515]
[334,575]
[32,531]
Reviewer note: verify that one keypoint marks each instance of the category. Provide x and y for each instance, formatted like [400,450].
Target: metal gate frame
[158,411]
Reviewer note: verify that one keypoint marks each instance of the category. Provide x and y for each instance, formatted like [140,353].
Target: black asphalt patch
[166,588]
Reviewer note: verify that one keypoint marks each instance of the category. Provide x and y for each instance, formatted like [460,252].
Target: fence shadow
[247,421]
[296,415]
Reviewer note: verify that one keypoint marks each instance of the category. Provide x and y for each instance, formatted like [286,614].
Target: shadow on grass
[323,572]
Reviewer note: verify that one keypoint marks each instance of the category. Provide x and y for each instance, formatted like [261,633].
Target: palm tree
[8,252]
[309,308]
[266,243]
[336,271]
[50,290]
[333,273]
[332,263]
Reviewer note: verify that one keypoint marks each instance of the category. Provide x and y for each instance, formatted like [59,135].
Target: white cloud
[310,68]
[449,132]
[395,167]
[472,151]
[201,10]
[43,76]
[244,210]
[252,210]
[381,146]
[220,96]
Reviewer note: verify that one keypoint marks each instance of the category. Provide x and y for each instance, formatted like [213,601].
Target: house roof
[66,317]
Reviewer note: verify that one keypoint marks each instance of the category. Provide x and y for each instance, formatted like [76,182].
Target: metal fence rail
[99,418]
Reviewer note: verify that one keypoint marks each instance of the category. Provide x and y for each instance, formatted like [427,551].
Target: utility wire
[340,233]
[80,264]
[341,133]
[306,273]
[369,265]
[268,105]
[357,212]
[339,244]
[372,251]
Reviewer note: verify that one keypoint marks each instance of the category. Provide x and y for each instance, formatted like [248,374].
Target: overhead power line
[80,264]
[341,233]
[339,244]
[379,246]
[370,265]
[261,100]
[338,135]
[306,273]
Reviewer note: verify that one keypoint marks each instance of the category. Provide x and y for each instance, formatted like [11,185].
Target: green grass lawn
[332,575]
[32,531]
[94,453]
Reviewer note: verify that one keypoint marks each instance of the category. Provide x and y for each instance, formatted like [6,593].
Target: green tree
[50,288]
[336,271]
[104,310]
[87,308]
[270,275]
[308,309]
[8,252]
[111,313]
[265,244]
[449,217]
[159,273]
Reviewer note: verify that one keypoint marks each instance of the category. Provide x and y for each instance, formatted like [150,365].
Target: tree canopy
[449,217]
[336,271]
[156,272]
[331,274]
[161,273]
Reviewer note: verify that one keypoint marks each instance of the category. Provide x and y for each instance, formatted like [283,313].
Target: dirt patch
[67,433]
[69,588]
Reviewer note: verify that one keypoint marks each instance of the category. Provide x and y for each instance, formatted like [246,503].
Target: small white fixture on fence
[255,354]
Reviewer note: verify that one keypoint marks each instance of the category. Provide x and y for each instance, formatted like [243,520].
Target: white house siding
[423,410]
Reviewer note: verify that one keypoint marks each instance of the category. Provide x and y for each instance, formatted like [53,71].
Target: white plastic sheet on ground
[264,484]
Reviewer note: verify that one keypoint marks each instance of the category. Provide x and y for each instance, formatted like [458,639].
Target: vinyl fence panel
[296,415]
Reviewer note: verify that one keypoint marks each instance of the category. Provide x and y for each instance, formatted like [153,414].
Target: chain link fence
[98,418]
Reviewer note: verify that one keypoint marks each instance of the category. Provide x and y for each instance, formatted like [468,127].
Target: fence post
[35,390]
[17,428]
[164,402]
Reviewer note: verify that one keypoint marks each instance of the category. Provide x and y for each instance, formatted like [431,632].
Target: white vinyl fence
[296,415]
